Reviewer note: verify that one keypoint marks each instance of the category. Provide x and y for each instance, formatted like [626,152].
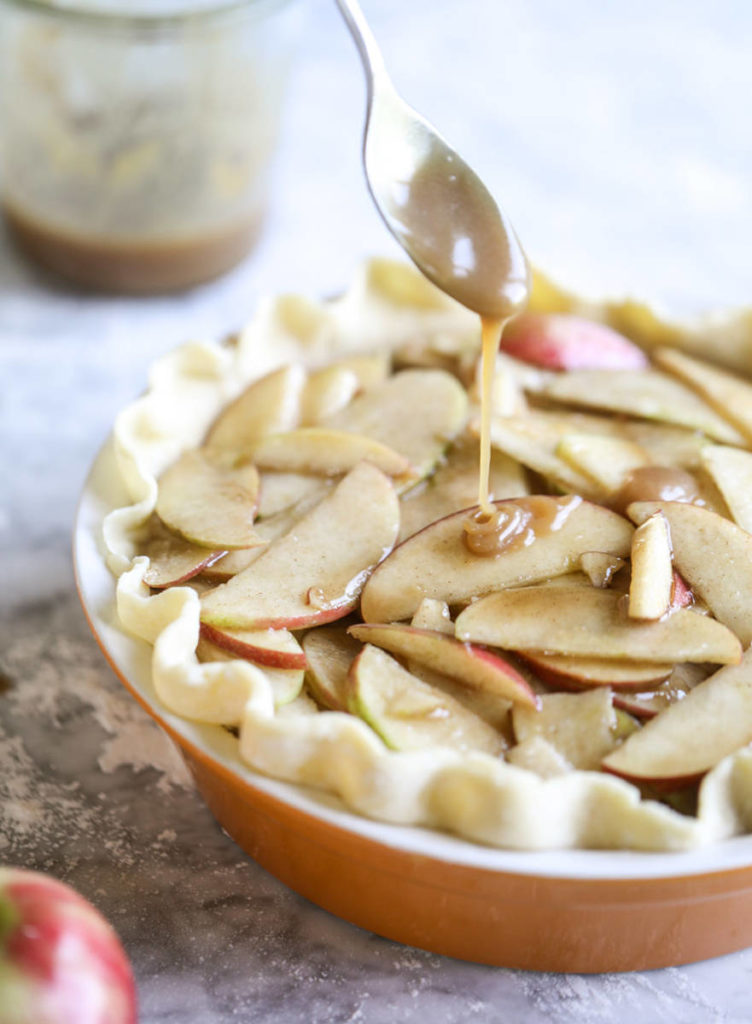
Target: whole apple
[60,961]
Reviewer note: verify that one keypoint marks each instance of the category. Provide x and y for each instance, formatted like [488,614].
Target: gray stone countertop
[619,139]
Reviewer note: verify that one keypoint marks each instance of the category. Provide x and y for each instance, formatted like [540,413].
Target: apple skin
[559,341]
[681,593]
[257,653]
[60,961]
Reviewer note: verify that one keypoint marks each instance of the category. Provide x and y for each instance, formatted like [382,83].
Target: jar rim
[201,14]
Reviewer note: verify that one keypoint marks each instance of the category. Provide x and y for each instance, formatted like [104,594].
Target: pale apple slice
[606,460]
[587,622]
[286,683]
[560,341]
[321,451]
[326,392]
[648,394]
[330,652]
[731,471]
[416,413]
[208,505]
[650,702]
[281,491]
[729,395]
[332,549]
[433,615]
[276,648]
[600,567]
[536,754]
[470,665]
[172,560]
[454,485]
[581,727]
[694,734]
[507,394]
[522,439]
[409,714]
[714,555]
[582,673]
[652,581]
[488,706]
[267,406]
[369,367]
[436,562]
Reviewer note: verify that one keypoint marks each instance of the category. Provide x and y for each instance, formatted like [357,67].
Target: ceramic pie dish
[567,909]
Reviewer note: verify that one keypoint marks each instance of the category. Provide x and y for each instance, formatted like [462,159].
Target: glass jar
[135,141]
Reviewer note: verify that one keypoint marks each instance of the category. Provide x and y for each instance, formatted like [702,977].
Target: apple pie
[303,549]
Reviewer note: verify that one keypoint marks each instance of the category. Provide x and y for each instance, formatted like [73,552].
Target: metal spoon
[436,206]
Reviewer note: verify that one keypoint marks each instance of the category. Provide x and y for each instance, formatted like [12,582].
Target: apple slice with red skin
[267,406]
[583,621]
[681,592]
[172,560]
[286,683]
[714,555]
[330,652]
[471,665]
[650,702]
[314,574]
[574,673]
[436,562]
[277,648]
[60,960]
[693,735]
[560,341]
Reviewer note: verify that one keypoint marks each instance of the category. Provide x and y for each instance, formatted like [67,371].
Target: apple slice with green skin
[208,505]
[652,581]
[330,652]
[267,406]
[409,714]
[694,734]
[324,452]
[729,395]
[560,341]
[731,471]
[714,555]
[276,648]
[172,560]
[416,413]
[606,460]
[580,621]
[314,574]
[286,683]
[326,392]
[600,567]
[436,562]
[650,702]
[580,726]
[470,665]
[454,485]
[582,673]
[648,394]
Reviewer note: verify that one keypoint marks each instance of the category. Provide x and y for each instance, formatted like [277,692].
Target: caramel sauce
[512,524]
[655,483]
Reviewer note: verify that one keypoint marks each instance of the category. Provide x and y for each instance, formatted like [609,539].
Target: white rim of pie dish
[131,658]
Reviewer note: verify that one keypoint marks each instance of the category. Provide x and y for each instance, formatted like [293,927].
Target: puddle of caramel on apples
[518,523]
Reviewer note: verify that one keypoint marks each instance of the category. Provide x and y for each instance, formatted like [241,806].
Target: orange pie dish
[517,735]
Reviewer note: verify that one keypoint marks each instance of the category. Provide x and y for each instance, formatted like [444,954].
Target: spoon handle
[370,54]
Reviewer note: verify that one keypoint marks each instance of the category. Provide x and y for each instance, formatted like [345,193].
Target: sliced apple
[559,341]
[581,673]
[731,471]
[330,652]
[436,563]
[652,581]
[416,413]
[681,593]
[326,392]
[369,367]
[332,549]
[536,754]
[472,666]
[324,452]
[276,648]
[588,622]
[650,702]
[172,560]
[522,439]
[454,485]
[267,406]
[409,714]
[648,394]
[693,735]
[600,567]
[728,394]
[581,727]
[606,460]
[282,491]
[488,706]
[286,683]
[507,394]
[208,505]
[433,615]
[715,557]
